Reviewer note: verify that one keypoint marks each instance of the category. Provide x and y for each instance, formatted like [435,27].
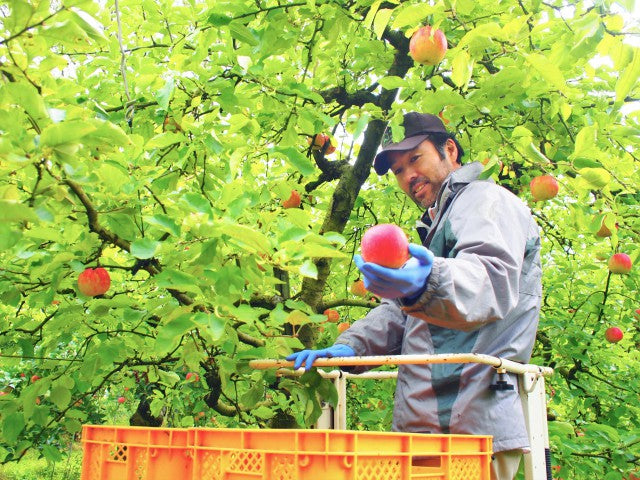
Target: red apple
[543,187]
[319,141]
[637,314]
[332,315]
[385,244]
[358,288]
[94,281]
[613,334]
[121,399]
[293,201]
[193,375]
[428,46]
[620,263]
[34,378]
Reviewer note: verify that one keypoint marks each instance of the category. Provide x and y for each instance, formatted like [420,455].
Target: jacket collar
[456,180]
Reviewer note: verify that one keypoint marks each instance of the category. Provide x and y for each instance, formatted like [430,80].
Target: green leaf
[296,159]
[314,250]
[392,82]
[66,132]
[163,96]
[308,269]
[60,396]
[248,236]
[11,211]
[253,395]
[175,279]
[263,412]
[144,248]
[547,70]
[51,453]
[12,426]
[164,223]
[411,14]
[579,163]
[461,69]
[165,139]
[169,334]
[381,21]
[629,77]
[242,33]
[371,14]
[90,25]
[585,141]
[25,96]
[219,19]
[597,177]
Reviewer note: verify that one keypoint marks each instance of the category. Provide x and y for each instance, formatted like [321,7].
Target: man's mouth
[417,189]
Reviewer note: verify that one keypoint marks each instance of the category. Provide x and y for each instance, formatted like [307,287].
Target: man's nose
[409,175]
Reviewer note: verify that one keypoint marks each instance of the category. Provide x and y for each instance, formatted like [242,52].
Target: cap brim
[381,162]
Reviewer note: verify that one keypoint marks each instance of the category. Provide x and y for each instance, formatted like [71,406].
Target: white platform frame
[531,386]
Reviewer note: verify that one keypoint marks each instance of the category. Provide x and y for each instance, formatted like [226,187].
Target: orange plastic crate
[137,453]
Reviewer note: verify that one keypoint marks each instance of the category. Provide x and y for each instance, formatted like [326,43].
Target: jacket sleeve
[380,332]
[486,235]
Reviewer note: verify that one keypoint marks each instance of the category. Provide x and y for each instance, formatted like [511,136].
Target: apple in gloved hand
[385,244]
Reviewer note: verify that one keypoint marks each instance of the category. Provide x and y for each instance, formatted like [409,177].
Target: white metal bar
[340,412]
[534,404]
[531,385]
[507,365]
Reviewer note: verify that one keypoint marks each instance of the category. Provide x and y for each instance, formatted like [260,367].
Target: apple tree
[161,141]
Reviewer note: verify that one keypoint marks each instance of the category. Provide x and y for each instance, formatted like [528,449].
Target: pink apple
[94,281]
[613,334]
[192,375]
[121,399]
[620,263]
[386,245]
[543,187]
[34,378]
[428,46]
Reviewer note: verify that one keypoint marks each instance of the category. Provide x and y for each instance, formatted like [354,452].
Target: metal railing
[537,465]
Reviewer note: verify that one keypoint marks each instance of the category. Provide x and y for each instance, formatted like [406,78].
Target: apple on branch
[620,263]
[613,334]
[358,288]
[385,244]
[543,187]
[94,281]
[342,326]
[332,315]
[319,141]
[428,45]
[293,201]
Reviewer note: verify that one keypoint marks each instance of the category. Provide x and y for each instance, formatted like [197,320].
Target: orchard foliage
[158,139]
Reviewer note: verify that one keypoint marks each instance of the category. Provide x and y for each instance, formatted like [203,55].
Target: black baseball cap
[417,127]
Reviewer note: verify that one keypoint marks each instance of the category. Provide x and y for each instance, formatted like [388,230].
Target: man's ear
[451,149]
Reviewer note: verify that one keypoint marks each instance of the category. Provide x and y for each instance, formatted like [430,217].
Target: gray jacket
[483,296]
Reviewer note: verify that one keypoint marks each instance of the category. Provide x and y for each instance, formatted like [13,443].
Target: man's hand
[409,281]
[337,350]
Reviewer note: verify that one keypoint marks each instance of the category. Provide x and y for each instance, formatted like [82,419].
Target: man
[473,286]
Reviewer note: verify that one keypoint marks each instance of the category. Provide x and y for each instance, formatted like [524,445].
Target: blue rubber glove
[408,282]
[336,350]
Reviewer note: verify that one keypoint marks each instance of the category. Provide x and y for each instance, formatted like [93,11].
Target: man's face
[420,172]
